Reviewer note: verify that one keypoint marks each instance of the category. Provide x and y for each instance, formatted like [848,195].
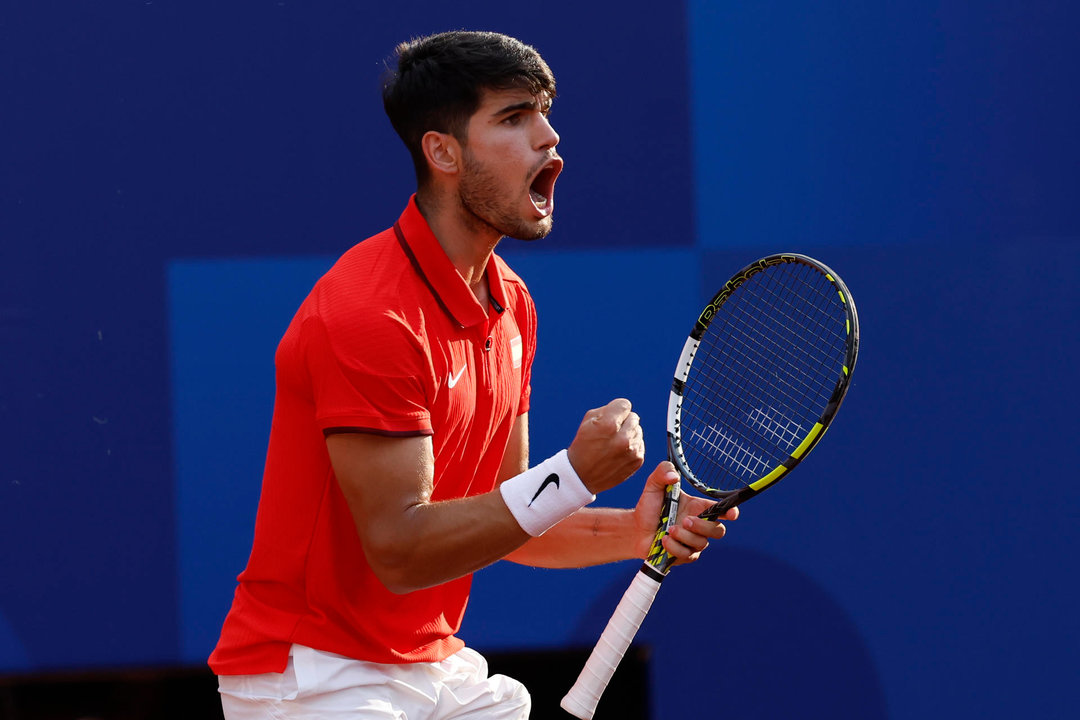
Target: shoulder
[362,272]
[368,297]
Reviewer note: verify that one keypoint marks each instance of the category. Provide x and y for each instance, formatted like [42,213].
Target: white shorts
[320,685]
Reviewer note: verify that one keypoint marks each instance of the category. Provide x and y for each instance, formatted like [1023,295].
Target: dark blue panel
[926,151]
[936,511]
[85,498]
[883,122]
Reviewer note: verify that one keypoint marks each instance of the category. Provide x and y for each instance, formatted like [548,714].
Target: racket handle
[620,631]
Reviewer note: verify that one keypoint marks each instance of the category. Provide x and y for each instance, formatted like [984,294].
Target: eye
[513,119]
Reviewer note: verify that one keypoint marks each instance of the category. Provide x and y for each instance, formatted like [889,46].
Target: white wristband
[543,495]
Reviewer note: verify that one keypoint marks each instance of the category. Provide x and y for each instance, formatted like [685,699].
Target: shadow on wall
[749,634]
[12,652]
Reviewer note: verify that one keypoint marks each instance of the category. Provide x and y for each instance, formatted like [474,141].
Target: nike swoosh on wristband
[454,378]
[551,479]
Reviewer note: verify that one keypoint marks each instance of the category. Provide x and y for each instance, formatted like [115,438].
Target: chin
[532,231]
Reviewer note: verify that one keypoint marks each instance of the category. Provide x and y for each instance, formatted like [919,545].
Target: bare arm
[593,536]
[599,535]
[412,543]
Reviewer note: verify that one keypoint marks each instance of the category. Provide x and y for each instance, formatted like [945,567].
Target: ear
[443,152]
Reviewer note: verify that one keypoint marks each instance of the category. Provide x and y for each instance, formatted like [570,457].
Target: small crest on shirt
[515,350]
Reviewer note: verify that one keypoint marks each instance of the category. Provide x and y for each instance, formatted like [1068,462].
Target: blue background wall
[173,176]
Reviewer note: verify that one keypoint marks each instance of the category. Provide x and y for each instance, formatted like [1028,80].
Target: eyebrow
[532,104]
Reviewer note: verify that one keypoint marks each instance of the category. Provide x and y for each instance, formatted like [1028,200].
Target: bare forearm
[437,542]
[412,542]
[591,536]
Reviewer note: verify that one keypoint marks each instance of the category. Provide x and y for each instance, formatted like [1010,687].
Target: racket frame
[583,697]
[728,499]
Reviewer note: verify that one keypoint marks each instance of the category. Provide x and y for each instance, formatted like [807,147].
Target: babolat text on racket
[759,380]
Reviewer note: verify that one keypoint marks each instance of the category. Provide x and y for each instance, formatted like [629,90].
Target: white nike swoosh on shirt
[454,378]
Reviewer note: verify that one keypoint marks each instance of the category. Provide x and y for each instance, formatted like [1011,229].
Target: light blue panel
[225,320]
[605,332]
[611,325]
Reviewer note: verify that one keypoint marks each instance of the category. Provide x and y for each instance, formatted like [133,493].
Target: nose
[546,137]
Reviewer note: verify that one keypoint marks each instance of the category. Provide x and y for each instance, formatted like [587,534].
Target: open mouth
[542,189]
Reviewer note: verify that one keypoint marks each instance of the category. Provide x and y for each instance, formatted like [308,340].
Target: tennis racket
[759,380]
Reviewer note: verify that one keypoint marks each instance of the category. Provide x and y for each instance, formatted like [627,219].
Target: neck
[466,240]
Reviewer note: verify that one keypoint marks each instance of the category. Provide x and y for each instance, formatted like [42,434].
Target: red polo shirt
[391,341]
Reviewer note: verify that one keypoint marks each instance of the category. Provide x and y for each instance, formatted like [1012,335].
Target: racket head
[761,377]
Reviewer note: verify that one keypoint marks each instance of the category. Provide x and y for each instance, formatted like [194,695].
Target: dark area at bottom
[191,693]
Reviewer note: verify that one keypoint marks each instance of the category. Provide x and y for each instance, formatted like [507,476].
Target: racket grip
[583,697]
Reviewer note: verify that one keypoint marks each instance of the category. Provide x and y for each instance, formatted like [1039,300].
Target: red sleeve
[367,378]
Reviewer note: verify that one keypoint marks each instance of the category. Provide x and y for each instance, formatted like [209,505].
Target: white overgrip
[583,697]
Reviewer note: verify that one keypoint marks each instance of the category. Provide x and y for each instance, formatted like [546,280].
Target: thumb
[664,475]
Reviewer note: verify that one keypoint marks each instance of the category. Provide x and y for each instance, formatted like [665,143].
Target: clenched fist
[609,446]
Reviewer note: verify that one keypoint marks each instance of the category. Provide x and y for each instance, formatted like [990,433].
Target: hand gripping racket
[758,382]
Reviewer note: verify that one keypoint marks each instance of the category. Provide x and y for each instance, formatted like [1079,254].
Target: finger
[632,431]
[696,506]
[618,409]
[630,423]
[610,418]
[682,552]
[731,514]
[629,431]
[691,524]
[697,535]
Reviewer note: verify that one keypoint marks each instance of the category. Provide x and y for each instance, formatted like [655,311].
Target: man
[398,458]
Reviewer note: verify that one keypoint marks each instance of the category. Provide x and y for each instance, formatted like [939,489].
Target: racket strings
[799,303]
[773,350]
[763,373]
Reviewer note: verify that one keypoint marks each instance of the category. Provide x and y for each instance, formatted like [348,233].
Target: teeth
[538,199]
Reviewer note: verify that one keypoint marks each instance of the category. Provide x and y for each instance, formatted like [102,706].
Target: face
[510,165]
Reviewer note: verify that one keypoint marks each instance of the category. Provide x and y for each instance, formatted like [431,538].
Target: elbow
[398,582]
[399,587]
[394,566]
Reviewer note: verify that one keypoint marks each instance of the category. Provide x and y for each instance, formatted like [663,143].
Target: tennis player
[398,456]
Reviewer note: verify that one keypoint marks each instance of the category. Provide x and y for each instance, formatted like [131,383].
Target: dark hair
[439,80]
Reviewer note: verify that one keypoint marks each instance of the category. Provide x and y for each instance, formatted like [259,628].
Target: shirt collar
[447,285]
